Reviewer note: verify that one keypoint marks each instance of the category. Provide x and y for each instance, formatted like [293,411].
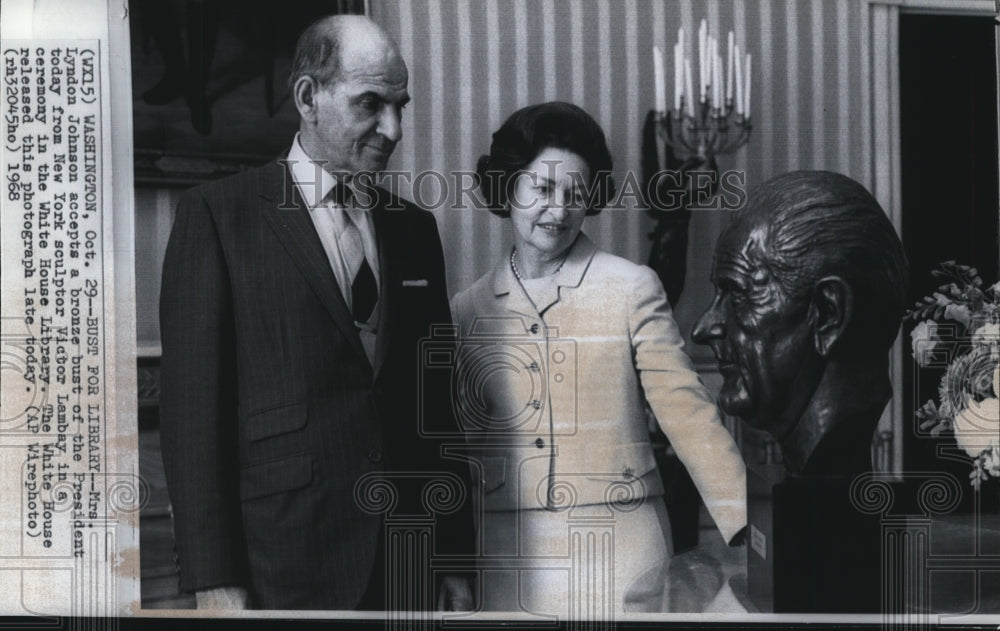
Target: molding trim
[969,7]
[884,160]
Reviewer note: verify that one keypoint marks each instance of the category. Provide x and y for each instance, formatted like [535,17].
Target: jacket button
[534,328]
[375,455]
[533,367]
[539,443]
[536,404]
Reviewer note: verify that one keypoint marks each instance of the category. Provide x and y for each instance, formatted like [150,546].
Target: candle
[739,80]
[678,78]
[708,62]
[702,32]
[690,91]
[716,73]
[704,72]
[717,89]
[709,65]
[729,68]
[679,51]
[746,95]
[659,79]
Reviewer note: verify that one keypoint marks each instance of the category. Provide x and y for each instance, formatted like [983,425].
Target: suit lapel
[389,277]
[509,292]
[548,295]
[289,218]
[512,295]
[570,275]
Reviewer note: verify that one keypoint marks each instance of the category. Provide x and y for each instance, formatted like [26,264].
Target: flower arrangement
[958,328]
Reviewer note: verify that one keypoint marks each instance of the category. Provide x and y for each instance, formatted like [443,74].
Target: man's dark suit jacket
[270,410]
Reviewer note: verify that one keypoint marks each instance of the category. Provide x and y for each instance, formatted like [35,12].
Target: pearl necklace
[513,265]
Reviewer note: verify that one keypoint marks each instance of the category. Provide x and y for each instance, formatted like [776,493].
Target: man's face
[760,337]
[358,114]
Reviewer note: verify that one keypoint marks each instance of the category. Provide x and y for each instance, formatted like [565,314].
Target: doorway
[949,173]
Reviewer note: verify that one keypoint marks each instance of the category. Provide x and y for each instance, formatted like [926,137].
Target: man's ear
[830,312]
[304,92]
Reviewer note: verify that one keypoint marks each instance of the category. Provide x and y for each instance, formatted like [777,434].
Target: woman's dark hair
[531,130]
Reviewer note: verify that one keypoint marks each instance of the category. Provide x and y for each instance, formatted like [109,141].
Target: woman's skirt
[586,562]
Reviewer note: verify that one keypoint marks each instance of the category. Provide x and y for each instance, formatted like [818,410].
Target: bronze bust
[810,281]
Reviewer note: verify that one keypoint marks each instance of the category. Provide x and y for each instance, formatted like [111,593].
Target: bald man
[292,308]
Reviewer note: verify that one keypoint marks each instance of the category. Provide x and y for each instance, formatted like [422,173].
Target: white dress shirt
[329,218]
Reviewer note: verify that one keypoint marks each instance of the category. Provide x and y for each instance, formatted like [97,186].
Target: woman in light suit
[561,347]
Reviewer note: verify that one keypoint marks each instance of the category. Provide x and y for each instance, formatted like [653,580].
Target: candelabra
[709,118]
[710,131]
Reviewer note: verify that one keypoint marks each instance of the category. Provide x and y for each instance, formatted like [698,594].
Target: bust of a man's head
[810,281]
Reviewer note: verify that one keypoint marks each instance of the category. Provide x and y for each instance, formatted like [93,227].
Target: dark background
[243,50]
[948,85]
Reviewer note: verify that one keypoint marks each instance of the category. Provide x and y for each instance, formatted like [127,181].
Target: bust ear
[830,312]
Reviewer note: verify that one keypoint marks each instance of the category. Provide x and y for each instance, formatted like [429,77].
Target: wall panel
[473,62]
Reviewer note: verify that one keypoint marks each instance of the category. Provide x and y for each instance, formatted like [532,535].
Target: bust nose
[709,325]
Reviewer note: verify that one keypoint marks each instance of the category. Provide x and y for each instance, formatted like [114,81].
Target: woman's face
[548,203]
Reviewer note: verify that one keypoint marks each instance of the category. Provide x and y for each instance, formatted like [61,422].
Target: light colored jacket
[553,405]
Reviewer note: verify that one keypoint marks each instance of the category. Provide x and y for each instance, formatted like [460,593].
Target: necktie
[364,292]
[364,289]
[340,194]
